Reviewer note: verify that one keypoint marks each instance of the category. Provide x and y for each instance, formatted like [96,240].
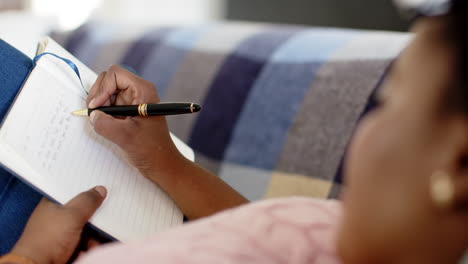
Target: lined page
[62,156]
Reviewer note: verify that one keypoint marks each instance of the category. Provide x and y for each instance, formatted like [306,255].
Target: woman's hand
[53,232]
[145,140]
[149,147]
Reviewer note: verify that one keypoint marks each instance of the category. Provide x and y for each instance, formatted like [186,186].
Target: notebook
[60,155]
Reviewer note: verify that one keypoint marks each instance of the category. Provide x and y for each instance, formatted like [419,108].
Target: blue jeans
[17,200]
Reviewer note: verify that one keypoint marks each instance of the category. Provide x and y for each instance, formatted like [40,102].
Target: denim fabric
[17,200]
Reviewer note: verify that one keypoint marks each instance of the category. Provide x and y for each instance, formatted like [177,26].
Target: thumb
[86,203]
[113,129]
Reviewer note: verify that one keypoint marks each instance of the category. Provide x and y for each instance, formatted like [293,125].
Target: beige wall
[70,14]
[161,11]
[12,4]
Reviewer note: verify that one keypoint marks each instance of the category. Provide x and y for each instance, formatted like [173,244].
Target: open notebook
[61,155]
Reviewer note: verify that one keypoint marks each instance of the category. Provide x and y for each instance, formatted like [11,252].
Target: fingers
[95,88]
[86,203]
[116,130]
[115,80]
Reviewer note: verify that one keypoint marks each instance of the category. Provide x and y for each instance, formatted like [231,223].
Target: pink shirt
[292,230]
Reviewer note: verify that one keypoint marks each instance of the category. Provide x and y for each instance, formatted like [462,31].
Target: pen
[144,109]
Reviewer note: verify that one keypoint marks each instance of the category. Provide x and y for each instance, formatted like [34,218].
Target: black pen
[144,109]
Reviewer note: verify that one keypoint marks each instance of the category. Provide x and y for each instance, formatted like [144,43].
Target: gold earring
[442,189]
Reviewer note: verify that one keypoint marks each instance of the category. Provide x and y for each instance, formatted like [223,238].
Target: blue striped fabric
[164,61]
[280,89]
[138,54]
[280,103]
[236,77]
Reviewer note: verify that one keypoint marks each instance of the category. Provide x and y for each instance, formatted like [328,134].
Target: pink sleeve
[293,230]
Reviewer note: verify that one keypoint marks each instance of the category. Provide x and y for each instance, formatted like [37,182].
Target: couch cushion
[280,103]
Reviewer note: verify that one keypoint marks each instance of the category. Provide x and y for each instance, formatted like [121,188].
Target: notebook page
[61,155]
[88,77]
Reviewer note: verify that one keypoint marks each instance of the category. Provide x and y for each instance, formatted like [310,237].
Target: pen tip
[196,108]
[83,112]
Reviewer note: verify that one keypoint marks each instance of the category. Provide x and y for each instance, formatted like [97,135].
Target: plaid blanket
[280,103]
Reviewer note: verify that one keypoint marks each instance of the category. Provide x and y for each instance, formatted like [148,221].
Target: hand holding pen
[146,142]
[113,89]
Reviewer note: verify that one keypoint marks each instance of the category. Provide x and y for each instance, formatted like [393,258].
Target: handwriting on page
[55,133]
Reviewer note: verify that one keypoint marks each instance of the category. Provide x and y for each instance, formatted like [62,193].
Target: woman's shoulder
[298,212]
[291,230]
[293,206]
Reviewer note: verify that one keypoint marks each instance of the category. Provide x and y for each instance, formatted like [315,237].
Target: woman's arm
[196,191]
[149,147]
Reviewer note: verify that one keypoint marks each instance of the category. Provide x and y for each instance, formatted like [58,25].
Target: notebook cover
[14,69]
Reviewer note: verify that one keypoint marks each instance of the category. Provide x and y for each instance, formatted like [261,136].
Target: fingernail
[91,104]
[92,117]
[101,190]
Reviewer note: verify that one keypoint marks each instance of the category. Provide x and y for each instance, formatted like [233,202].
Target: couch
[280,102]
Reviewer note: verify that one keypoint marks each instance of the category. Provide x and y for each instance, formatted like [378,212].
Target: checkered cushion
[280,103]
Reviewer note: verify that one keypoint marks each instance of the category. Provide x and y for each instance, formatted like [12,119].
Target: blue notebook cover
[14,69]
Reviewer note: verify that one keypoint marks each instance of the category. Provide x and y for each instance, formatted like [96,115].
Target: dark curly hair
[457,29]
